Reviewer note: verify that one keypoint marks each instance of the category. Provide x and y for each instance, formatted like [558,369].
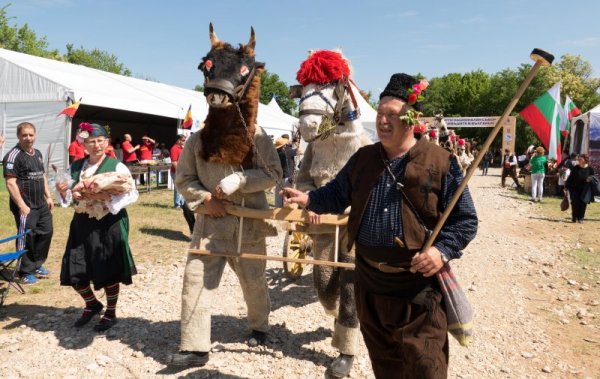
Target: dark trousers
[512,172]
[578,207]
[406,338]
[190,217]
[38,241]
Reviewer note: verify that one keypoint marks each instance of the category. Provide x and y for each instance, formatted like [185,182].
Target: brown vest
[423,180]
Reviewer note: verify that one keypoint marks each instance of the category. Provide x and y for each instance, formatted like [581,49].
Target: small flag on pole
[188,121]
[544,116]
[70,110]
[571,111]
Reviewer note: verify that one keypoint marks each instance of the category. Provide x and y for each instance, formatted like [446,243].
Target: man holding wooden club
[398,189]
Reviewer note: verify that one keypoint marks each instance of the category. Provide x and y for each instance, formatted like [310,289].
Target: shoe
[580,221]
[105,324]
[257,338]
[88,314]
[29,279]
[189,359]
[41,272]
[341,366]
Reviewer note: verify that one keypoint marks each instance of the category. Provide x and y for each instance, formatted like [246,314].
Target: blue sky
[165,40]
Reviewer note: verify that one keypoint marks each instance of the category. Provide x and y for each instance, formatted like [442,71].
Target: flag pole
[541,58]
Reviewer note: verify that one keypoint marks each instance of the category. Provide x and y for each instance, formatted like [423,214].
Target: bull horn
[214,40]
[252,41]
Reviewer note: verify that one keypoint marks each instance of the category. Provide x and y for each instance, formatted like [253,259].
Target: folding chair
[9,265]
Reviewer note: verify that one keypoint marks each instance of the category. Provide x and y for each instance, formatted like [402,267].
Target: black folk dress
[97,251]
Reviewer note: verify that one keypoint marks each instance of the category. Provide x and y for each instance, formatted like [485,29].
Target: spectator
[146,148]
[176,150]
[538,172]
[118,150]
[30,202]
[578,179]
[76,150]
[509,168]
[129,156]
[280,145]
[110,150]
[488,159]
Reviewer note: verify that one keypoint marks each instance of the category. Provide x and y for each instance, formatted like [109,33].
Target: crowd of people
[393,207]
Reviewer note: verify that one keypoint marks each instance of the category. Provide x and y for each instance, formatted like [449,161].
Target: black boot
[105,324]
[189,359]
[88,314]
[341,366]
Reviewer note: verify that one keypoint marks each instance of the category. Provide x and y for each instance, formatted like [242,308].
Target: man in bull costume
[230,161]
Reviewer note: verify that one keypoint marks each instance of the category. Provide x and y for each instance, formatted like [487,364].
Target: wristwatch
[444,257]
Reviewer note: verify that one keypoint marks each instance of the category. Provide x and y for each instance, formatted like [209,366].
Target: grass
[158,234]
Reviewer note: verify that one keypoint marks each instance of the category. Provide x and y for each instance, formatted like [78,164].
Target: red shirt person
[129,155]
[146,148]
[76,151]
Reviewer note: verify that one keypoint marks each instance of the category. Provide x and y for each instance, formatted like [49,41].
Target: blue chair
[9,265]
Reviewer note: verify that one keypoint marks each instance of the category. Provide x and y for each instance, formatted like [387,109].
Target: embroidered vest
[423,180]
[107,165]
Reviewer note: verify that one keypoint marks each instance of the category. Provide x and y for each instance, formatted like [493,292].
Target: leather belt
[384,267]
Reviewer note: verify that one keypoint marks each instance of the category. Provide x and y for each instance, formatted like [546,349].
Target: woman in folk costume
[97,248]
[323,158]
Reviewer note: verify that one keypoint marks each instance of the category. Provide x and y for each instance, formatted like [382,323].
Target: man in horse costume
[230,161]
[333,139]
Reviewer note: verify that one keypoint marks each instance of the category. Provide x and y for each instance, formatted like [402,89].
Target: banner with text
[473,122]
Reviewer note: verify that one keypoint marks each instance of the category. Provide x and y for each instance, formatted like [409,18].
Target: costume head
[322,67]
[228,71]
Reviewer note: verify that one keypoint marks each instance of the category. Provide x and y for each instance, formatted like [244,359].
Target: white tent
[36,89]
[585,131]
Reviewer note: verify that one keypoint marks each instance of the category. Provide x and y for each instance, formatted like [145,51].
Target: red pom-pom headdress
[323,66]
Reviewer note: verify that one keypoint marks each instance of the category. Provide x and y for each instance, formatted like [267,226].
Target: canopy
[36,89]
[585,131]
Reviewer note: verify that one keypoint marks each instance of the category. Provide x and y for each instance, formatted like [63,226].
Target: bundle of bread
[95,192]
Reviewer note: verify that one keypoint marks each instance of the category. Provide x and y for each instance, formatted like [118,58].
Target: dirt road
[536,313]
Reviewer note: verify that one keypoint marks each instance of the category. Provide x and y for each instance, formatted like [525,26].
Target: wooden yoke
[279,214]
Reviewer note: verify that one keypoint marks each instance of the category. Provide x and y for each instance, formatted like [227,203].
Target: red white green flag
[544,116]
[188,121]
[571,111]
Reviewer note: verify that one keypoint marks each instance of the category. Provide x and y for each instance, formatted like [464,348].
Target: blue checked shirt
[382,219]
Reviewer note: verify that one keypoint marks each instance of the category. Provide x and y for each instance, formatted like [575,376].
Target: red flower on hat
[412,98]
[414,93]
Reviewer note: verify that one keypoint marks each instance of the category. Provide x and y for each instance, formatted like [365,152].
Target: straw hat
[281,142]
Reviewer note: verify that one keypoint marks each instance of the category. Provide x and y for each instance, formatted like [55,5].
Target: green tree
[271,86]
[96,58]
[22,39]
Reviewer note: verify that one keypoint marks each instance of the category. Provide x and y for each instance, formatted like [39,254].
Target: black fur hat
[399,87]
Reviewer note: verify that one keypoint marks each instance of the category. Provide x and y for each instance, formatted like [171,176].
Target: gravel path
[513,275]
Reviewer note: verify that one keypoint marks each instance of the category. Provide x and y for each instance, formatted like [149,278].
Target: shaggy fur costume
[321,162]
[225,139]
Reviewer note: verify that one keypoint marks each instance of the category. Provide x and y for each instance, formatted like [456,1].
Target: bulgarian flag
[570,110]
[188,121]
[544,116]
[70,110]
